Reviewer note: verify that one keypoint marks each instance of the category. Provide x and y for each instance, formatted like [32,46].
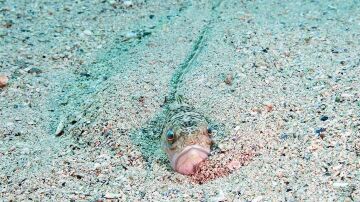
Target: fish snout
[187,161]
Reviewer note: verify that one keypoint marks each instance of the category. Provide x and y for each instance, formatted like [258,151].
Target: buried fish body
[185,138]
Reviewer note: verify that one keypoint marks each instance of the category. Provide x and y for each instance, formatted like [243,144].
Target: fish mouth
[187,160]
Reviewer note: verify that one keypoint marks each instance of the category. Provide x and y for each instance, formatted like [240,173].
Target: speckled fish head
[186,139]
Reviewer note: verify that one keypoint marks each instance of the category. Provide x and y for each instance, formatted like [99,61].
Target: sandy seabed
[81,112]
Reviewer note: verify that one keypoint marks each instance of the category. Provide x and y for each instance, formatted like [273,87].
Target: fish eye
[170,135]
[209,130]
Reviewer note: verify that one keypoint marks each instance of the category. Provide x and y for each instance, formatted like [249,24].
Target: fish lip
[175,159]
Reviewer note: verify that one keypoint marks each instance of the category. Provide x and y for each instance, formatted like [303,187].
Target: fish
[186,137]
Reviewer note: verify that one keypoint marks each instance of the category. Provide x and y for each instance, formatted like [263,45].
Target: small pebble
[223,147]
[269,107]
[97,166]
[60,128]
[340,184]
[237,128]
[258,199]
[234,164]
[219,197]
[229,79]
[346,95]
[8,24]
[31,123]
[338,167]
[87,32]
[25,151]
[3,81]
[111,2]
[13,148]
[2,33]
[113,196]
[131,35]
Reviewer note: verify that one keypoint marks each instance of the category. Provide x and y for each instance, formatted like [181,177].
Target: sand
[82,110]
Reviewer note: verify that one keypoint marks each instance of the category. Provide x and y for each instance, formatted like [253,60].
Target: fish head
[186,147]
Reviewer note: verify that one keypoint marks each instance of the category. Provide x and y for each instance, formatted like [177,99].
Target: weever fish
[186,134]
[185,137]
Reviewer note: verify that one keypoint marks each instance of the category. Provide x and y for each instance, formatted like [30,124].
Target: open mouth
[186,161]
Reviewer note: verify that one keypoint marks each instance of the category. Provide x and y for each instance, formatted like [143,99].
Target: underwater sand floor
[81,112]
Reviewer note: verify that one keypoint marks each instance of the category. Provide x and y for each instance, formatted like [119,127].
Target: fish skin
[190,131]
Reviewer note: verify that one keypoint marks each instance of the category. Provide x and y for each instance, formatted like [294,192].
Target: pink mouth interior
[186,162]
